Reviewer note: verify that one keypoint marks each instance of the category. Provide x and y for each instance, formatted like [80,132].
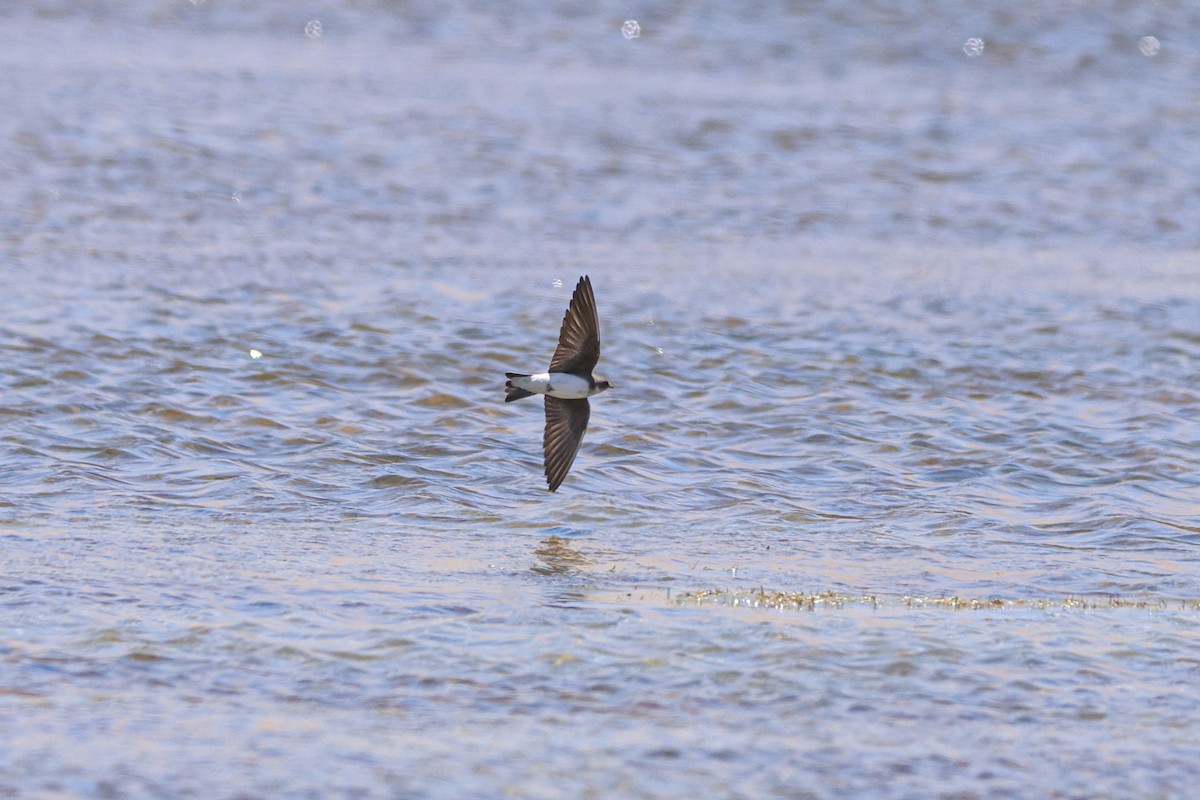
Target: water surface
[897,495]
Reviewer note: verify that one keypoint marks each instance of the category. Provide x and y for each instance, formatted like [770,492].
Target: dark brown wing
[579,340]
[566,420]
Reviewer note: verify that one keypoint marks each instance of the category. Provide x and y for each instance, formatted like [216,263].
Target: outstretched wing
[566,421]
[579,340]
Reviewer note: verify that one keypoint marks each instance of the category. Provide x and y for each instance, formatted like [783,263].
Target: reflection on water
[558,557]
[898,493]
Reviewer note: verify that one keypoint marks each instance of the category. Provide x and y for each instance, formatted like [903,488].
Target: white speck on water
[973,47]
[631,29]
[255,354]
[1150,46]
[557,283]
[659,350]
[236,197]
[313,29]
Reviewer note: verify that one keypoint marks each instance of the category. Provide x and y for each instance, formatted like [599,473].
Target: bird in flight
[567,384]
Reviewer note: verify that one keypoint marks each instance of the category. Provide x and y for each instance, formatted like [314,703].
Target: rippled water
[897,495]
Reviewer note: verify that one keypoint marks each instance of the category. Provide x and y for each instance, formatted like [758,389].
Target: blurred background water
[897,496]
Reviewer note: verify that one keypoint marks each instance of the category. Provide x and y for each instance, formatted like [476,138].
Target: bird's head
[602,384]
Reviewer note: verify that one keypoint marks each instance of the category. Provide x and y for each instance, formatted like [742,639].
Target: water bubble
[1149,45]
[557,283]
[313,29]
[631,29]
[973,47]
[255,354]
[236,197]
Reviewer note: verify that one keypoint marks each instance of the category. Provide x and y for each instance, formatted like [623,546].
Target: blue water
[896,496]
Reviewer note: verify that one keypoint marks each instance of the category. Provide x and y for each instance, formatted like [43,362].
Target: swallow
[567,385]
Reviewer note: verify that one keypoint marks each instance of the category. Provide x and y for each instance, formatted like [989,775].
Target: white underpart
[556,384]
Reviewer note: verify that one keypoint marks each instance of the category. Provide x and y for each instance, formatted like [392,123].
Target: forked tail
[514,392]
